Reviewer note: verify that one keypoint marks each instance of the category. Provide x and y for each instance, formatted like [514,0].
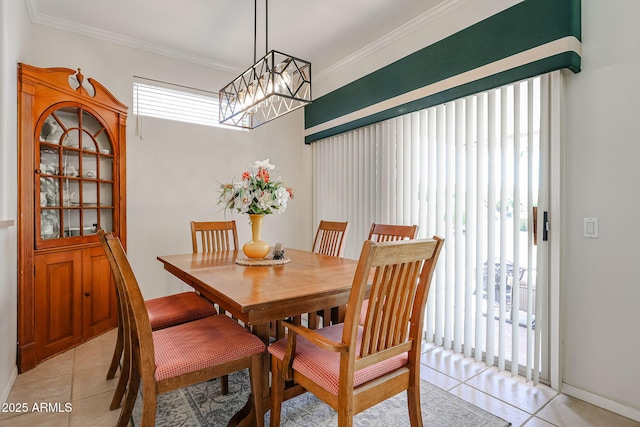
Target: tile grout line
[532,415]
[442,373]
[544,406]
[485,367]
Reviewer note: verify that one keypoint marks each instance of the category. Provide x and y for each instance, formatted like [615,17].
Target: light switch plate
[591,228]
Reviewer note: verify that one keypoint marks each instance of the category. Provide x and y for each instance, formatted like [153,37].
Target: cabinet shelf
[73,178]
[89,205]
[51,150]
[75,231]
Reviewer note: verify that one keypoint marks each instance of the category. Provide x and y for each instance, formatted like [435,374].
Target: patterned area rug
[203,405]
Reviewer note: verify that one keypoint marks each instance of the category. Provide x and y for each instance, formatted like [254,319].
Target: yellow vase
[256,248]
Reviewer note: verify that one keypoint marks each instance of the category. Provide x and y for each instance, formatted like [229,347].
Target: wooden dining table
[261,295]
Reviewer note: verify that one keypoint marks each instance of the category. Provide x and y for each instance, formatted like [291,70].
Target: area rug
[202,405]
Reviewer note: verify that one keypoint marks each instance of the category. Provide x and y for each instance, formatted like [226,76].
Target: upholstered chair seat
[323,367]
[179,308]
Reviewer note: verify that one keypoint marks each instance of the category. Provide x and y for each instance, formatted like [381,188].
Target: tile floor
[78,376]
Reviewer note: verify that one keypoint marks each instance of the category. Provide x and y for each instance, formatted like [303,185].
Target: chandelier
[275,85]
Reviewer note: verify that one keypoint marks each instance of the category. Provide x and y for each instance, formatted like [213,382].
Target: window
[173,102]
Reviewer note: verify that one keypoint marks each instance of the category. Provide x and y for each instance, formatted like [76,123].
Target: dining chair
[388,233]
[214,236]
[163,312]
[352,367]
[330,240]
[392,232]
[181,355]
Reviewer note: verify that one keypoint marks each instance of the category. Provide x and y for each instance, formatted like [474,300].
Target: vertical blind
[469,171]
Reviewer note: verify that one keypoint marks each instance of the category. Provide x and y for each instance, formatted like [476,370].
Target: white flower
[263,165]
[227,195]
[244,184]
[242,201]
[281,196]
[265,200]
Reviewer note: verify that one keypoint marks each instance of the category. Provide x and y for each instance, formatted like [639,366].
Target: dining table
[261,295]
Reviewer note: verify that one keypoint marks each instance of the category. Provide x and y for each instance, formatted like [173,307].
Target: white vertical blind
[469,171]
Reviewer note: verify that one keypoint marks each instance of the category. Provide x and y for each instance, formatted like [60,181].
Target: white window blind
[468,171]
[173,102]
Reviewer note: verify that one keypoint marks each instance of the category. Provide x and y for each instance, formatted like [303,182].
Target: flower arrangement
[256,192]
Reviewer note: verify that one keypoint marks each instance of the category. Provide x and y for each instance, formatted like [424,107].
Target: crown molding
[32,9]
[61,24]
[415,24]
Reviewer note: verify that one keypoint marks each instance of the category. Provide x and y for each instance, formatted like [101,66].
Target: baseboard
[594,399]
[7,389]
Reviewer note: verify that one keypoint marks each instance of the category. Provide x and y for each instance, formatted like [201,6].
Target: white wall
[601,173]
[174,174]
[14,26]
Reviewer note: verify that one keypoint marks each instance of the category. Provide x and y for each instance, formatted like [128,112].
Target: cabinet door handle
[87,294]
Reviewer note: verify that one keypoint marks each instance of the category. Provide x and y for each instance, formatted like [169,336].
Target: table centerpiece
[257,195]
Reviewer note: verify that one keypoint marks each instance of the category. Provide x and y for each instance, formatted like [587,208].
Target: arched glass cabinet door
[75,178]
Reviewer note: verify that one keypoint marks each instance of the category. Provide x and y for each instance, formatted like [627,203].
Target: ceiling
[220,33]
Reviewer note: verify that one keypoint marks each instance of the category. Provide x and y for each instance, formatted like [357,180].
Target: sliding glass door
[473,171]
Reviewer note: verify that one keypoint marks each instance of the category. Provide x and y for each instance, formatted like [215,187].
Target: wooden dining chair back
[214,236]
[330,238]
[350,366]
[122,351]
[166,311]
[392,232]
[388,233]
[178,356]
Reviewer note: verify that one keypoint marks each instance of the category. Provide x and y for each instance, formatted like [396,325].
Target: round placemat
[262,262]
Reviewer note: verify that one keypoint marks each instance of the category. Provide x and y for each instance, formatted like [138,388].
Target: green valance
[531,38]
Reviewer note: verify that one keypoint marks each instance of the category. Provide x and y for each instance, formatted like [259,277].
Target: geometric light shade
[275,85]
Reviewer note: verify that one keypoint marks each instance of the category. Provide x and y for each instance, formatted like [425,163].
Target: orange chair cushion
[210,341]
[323,367]
[176,309]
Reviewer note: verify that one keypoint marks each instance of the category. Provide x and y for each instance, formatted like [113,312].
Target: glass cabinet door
[74,183]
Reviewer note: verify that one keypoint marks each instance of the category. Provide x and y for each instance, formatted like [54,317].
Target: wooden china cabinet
[71,180]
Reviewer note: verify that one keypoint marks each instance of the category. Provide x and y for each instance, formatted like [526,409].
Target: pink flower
[263,174]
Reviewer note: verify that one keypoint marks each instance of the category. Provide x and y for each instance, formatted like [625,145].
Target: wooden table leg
[263,332]
[245,416]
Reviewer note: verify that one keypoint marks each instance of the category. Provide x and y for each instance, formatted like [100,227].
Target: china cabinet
[71,181]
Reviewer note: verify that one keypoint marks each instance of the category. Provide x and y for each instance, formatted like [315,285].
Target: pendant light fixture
[275,85]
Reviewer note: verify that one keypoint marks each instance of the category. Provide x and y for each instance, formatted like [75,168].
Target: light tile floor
[78,376]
